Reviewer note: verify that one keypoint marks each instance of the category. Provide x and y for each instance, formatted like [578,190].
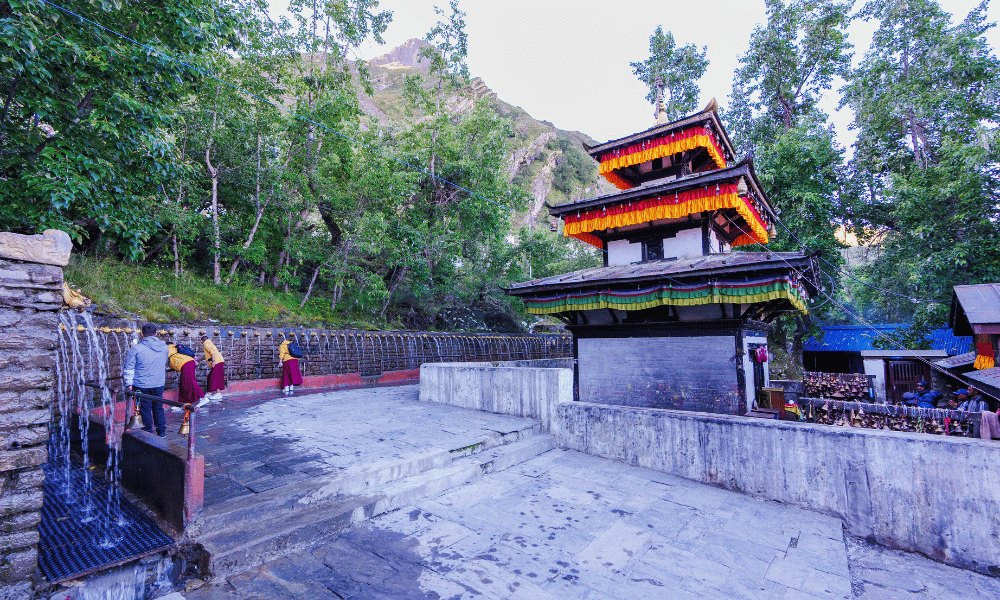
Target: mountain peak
[404,55]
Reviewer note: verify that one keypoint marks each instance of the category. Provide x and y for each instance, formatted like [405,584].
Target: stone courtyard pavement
[565,525]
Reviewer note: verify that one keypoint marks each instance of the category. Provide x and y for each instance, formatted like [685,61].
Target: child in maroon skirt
[217,370]
[290,375]
[190,392]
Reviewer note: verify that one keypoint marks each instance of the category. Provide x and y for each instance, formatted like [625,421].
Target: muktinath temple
[675,318]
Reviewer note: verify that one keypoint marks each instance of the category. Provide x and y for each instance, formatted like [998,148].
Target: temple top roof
[709,114]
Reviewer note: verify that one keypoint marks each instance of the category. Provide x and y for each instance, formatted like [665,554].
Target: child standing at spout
[217,370]
[290,375]
[189,390]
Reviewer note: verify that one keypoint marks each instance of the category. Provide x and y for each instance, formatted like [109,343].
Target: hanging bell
[185,427]
[135,422]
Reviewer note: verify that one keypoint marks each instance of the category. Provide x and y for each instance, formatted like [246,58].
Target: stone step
[258,509]
[236,550]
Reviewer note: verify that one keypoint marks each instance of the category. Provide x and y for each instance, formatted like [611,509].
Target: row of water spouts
[82,359]
[375,353]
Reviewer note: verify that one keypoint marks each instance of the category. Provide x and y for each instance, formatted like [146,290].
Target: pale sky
[567,62]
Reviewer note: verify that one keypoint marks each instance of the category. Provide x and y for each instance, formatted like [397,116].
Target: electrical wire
[933,366]
[845,273]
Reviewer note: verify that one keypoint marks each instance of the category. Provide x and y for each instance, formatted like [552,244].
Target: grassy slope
[156,295]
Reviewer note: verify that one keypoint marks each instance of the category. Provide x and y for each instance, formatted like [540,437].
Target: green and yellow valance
[716,292]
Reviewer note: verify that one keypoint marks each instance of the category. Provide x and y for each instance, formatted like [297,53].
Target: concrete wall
[930,494]
[511,388]
[30,297]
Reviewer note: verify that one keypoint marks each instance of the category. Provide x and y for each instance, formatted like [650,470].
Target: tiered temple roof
[675,178]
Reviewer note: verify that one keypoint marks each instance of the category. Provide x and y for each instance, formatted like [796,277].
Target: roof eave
[770,265]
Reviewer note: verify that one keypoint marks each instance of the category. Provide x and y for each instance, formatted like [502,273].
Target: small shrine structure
[675,318]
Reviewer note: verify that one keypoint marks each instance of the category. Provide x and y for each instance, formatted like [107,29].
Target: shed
[975,310]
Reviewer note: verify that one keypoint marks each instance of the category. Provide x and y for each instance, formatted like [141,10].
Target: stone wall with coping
[922,493]
[524,388]
[31,284]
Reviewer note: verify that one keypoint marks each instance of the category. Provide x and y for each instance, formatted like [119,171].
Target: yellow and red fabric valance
[984,353]
[668,145]
[618,181]
[670,206]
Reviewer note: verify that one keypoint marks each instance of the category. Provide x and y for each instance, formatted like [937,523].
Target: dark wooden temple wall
[683,369]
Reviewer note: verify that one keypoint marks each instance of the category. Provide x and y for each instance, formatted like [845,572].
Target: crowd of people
[145,366]
[969,400]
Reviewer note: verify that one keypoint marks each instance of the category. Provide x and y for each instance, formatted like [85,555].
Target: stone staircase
[246,531]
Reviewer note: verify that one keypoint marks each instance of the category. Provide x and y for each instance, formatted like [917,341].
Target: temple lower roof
[731,278]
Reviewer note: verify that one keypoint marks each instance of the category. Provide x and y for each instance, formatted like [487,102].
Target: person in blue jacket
[145,370]
[926,397]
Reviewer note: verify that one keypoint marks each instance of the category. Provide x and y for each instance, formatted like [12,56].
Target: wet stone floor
[253,443]
[565,525]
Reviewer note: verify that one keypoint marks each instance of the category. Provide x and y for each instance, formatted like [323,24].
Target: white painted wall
[748,368]
[876,367]
[621,252]
[686,244]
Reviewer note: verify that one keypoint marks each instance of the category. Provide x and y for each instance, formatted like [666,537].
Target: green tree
[86,115]
[679,68]
[791,61]
[456,220]
[926,105]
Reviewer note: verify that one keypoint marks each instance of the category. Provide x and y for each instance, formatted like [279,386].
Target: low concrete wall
[156,470]
[935,495]
[531,389]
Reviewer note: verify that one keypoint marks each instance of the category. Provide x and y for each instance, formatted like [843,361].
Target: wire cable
[933,366]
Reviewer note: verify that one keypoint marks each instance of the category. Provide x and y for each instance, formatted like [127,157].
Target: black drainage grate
[70,548]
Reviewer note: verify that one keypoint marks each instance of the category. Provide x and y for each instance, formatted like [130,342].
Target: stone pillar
[31,284]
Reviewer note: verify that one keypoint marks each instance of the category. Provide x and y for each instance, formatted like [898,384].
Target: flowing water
[82,358]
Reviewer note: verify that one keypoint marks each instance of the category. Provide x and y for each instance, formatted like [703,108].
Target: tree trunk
[214,174]
[177,260]
[395,284]
[802,323]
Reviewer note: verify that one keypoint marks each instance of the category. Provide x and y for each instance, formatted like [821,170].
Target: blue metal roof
[856,338]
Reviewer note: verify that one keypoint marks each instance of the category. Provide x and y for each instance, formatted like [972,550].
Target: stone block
[18,380]
[10,317]
[11,296]
[30,339]
[48,298]
[52,247]
[18,540]
[24,458]
[21,437]
[46,274]
[27,360]
[11,401]
[13,504]
[14,275]
[19,565]
[20,522]
[29,479]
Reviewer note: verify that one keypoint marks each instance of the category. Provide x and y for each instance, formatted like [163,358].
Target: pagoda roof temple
[675,318]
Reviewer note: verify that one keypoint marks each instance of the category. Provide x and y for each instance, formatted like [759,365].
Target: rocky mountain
[547,162]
